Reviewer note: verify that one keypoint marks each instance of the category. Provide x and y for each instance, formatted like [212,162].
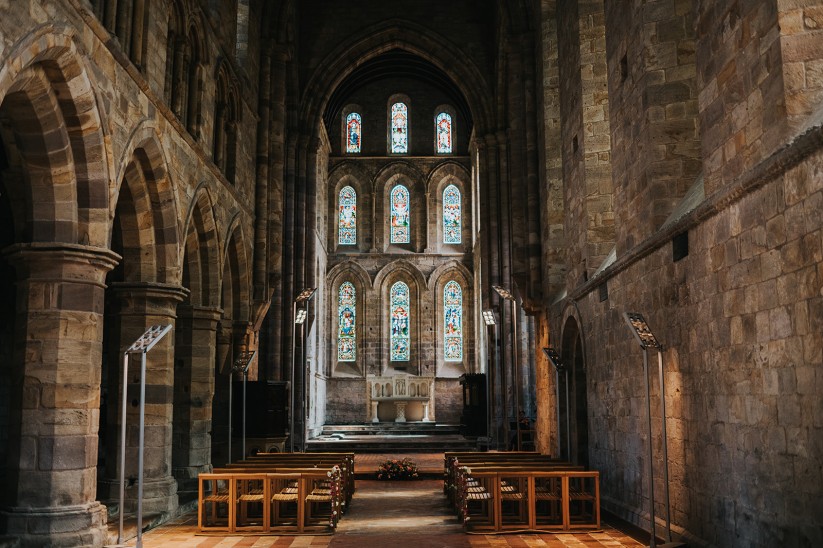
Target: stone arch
[201,250]
[445,174]
[453,271]
[419,308]
[407,102]
[448,109]
[226,117]
[56,130]
[145,191]
[350,174]
[572,351]
[349,271]
[236,259]
[408,36]
[411,177]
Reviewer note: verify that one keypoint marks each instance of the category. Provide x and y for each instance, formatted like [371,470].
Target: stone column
[144,304]
[57,360]
[193,392]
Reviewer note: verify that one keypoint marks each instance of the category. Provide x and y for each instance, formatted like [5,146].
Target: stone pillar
[60,293]
[144,304]
[195,345]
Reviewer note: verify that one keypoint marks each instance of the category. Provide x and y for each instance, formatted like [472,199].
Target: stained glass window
[452,220]
[399,313]
[453,322]
[347,217]
[353,133]
[399,128]
[400,215]
[346,311]
[444,133]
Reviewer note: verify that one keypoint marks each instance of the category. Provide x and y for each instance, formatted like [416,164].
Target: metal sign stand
[644,336]
[241,365]
[141,346]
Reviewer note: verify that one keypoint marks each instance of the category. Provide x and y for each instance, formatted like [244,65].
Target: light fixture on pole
[299,319]
[644,336]
[141,346]
[490,321]
[560,367]
[241,365]
[507,295]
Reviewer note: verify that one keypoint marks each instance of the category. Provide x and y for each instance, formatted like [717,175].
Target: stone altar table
[401,391]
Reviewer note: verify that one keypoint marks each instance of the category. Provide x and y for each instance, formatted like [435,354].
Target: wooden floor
[411,514]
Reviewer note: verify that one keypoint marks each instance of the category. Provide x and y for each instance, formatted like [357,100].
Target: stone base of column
[81,525]
[159,496]
[187,485]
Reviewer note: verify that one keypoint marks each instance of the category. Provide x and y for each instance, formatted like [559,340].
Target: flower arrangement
[394,469]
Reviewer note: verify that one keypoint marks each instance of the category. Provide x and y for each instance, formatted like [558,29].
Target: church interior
[599,218]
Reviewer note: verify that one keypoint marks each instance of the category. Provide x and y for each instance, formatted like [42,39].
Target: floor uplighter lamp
[494,366]
[299,319]
[506,294]
[644,336]
[560,367]
[241,365]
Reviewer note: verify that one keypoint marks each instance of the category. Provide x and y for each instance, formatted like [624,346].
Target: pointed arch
[236,262]
[201,251]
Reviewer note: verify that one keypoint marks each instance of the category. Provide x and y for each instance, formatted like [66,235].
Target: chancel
[413,227]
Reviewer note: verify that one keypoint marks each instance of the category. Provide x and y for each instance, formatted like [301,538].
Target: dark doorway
[577,406]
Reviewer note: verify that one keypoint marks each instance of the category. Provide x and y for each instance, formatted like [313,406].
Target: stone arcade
[199,163]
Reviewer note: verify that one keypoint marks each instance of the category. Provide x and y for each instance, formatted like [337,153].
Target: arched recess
[574,357]
[420,319]
[445,174]
[54,196]
[231,331]
[453,271]
[437,124]
[351,142]
[195,336]
[400,173]
[349,271]
[398,125]
[407,36]
[226,118]
[350,174]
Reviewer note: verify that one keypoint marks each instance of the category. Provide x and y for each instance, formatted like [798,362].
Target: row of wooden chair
[276,493]
[493,493]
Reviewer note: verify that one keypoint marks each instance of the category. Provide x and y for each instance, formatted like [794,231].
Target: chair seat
[251,498]
[512,496]
[318,498]
[479,496]
[284,497]
[216,498]
[476,490]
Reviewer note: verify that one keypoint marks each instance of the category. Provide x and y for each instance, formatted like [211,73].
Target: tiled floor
[387,514]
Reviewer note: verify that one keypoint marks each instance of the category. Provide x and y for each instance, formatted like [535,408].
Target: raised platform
[392,437]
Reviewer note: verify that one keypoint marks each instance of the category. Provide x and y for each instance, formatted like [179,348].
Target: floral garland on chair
[393,469]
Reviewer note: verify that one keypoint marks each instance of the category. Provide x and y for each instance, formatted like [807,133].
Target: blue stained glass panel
[347,314]
[453,321]
[399,128]
[452,215]
[353,133]
[399,314]
[400,233]
[443,127]
[347,217]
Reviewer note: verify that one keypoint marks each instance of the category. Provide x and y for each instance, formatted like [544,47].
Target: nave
[388,513]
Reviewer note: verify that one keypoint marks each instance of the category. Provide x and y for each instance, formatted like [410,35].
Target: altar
[400,398]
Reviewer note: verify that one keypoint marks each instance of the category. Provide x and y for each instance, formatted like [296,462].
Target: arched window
[347,314]
[347,217]
[443,129]
[452,219]
[400,215]
[353,133]
[399,314]
[453,322]
[399,128]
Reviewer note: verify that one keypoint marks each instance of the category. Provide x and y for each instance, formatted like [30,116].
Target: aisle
[386,514]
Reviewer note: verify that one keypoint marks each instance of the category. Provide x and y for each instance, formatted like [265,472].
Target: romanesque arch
[453,271]
[350,174]
[397,173]
[54,174]
[352,272]
[446,174]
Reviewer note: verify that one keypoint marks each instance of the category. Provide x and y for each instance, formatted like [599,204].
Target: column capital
[61,261]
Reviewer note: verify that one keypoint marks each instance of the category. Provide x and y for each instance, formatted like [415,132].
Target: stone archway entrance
[577,436]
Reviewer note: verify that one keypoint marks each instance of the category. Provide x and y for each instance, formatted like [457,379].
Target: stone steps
[391,437]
